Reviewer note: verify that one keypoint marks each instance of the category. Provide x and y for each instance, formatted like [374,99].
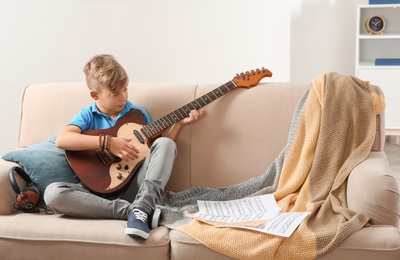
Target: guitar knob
[118,166]
[119,176]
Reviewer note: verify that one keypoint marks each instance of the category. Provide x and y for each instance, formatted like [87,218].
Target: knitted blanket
[333,130]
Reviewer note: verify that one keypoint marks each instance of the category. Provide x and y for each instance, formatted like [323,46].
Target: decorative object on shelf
[387,62]
[382,2]
[375,25]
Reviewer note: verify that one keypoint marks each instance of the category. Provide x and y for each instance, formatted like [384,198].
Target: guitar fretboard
[168,120]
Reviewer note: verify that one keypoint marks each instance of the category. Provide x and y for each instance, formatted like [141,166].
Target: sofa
[216,151]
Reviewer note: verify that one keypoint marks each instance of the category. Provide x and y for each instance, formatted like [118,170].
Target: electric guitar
[106,179]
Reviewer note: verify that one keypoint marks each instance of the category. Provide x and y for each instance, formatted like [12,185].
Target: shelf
[370,47]
[380,6]
[371,65]
[365,36]
[389,12]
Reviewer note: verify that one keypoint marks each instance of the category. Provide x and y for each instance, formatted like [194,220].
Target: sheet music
[284,224]
[249,209]
[259,213]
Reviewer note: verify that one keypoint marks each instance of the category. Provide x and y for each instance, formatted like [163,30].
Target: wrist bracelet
[103,146]
[100,140]
[108,142]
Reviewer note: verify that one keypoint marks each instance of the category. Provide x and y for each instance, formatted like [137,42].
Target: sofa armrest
[7,195]
[374,192]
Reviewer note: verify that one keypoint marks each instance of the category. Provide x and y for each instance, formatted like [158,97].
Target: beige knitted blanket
[332,131]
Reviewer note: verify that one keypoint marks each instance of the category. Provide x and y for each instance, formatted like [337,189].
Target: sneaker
[137,224]
[154,218]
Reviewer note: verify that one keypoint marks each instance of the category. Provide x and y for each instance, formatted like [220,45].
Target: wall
[176,41]
[322,37]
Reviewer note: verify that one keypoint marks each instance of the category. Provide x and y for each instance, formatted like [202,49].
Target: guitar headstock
[252,78]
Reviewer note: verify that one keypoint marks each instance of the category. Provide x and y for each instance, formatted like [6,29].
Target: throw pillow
[44,163]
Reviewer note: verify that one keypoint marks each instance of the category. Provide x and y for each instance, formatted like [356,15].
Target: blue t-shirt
[90,117]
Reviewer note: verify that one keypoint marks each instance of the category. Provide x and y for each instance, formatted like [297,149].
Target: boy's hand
[193,116]
[122,148]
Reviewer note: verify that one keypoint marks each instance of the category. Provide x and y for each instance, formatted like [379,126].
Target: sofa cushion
[42,236]
[369,243]
[44,163]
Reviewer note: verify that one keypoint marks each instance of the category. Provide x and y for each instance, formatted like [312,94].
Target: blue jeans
[144,191]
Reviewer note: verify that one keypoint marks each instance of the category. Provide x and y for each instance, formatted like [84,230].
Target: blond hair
[104,69]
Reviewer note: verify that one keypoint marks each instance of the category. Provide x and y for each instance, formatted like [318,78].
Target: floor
[392,151]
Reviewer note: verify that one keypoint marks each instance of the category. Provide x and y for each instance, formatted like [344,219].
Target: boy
[108,85]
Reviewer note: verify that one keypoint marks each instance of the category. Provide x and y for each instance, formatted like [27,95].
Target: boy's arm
[175,129]
[71,138]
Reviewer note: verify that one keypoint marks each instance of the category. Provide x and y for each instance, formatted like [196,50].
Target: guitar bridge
[105,156]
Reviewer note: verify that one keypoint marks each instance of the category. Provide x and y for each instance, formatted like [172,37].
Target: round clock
[375,24]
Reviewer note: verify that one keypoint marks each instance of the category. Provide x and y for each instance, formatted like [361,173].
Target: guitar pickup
[138,136]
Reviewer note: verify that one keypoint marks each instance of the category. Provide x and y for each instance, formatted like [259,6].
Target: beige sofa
[217,150]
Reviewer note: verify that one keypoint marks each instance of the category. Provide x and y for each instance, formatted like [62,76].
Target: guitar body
[109,179]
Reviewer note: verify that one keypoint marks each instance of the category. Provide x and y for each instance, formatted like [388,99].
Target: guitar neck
[158,126]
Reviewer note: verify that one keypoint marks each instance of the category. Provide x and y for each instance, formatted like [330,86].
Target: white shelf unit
[386,45]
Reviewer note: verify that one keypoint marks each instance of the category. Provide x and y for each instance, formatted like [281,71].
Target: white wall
[175,41]
[322,37]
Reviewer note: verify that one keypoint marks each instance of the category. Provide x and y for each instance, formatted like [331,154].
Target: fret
[191,106]
[218,93]
[179,114]
[214,95]
[145,132]
[210,96]
[182,112]
[171,118]
[158,126]
[186,109]
[196,104]
[168,119]
[146,129]
[225,89]
[163,122]
[202,101]
[152,129]
[155,127]
[174,117]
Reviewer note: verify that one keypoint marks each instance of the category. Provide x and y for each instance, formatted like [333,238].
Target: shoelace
[140,215]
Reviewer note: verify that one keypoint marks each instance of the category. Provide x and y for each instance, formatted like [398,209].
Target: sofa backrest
[241,134]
